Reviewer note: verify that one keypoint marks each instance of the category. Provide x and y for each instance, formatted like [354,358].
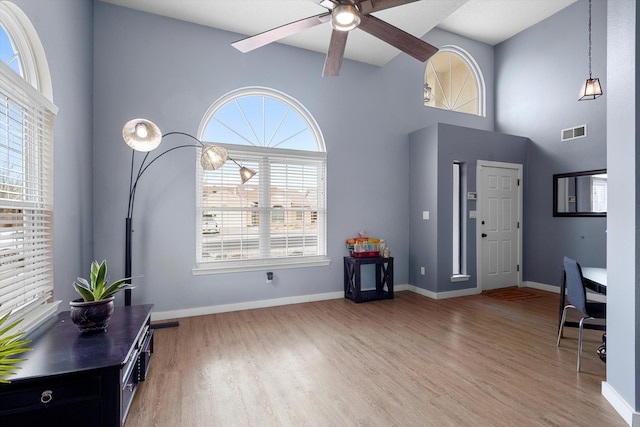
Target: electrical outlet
[422,271]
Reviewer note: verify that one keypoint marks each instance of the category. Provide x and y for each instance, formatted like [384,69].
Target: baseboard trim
[556,289]
[619,404]
[224,308]
[443,295]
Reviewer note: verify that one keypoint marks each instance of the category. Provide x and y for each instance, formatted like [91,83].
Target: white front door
[498,224]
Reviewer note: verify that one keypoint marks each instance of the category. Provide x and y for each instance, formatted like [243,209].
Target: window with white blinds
[278,217]
[26,205]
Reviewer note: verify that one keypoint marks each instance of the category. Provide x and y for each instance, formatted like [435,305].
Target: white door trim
[491,164]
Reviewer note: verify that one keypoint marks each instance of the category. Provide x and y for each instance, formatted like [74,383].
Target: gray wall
[623,266]
[433,151]
[171,72]
[538,75]
[65,28]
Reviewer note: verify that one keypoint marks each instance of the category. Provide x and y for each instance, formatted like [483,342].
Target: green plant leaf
[10,345]
[85,293]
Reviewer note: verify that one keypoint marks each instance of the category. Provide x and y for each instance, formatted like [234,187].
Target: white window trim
[230,266]
[475,70]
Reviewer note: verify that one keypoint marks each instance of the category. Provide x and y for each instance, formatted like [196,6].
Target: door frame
[479,168]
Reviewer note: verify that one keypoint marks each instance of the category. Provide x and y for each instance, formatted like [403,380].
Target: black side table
[353,279]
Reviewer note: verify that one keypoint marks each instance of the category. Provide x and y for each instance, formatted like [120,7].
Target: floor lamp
[143,135]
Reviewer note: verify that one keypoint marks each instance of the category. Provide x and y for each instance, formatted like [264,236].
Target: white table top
[595,274]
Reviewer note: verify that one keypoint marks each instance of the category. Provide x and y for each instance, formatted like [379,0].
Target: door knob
[484,234]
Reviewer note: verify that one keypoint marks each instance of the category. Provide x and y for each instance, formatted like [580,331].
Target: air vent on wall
[573,133]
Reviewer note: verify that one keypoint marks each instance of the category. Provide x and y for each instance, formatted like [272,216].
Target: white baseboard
[592,296]
[443,295]
[619,404]
[213,309]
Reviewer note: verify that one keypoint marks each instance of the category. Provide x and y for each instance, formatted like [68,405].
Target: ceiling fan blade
[368,6]
[250,43]
[333,61]
[402,40]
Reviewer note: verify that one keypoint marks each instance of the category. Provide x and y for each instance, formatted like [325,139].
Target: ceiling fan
[346,15]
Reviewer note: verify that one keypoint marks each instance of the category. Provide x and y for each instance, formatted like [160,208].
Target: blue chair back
[576,292]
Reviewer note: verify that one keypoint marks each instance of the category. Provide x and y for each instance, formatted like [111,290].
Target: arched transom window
[278,217]
[452,81]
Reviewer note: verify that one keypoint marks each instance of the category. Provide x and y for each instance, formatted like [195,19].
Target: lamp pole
[133,185]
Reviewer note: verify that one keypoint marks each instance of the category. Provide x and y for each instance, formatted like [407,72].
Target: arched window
[26,172]
[278,218]
[453,81]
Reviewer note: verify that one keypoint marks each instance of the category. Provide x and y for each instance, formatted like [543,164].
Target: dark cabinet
[80,379]
[383,285]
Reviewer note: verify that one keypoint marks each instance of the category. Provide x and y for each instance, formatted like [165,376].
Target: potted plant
[10,345]
[92,312]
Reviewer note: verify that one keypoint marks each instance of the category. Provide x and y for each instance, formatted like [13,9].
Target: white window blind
[26,205]
[278,217]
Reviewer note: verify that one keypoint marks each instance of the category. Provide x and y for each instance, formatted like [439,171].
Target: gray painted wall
[171,72]
[623,266]
[433,151]
[538,76]
[65,28]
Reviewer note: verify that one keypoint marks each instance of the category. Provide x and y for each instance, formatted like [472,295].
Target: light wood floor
[411,361]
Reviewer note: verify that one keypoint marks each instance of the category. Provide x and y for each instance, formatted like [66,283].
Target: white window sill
[460,277]
[244,266]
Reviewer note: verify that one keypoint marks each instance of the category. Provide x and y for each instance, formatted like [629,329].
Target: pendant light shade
[141,135]
[592,88]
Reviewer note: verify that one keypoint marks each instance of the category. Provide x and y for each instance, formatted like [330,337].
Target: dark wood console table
[353,279]
[70,378]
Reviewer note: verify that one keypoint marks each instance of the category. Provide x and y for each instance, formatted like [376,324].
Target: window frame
[475,70]
[26,285]
[267,155]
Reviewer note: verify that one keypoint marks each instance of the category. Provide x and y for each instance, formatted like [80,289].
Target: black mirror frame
[555,194]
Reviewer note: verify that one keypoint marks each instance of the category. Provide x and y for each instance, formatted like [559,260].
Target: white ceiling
[488,21]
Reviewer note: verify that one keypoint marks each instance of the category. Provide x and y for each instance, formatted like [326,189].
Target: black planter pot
[91,316]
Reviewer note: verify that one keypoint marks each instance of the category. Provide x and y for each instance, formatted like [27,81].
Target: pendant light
[592,88]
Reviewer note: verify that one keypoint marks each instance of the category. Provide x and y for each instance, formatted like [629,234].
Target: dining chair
[577,299]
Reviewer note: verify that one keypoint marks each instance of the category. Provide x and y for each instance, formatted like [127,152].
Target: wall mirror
[580,193]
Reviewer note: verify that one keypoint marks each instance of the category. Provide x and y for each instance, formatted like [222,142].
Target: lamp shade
[213,157]
[246,174]
[591,89]
[345,17]
[141,135]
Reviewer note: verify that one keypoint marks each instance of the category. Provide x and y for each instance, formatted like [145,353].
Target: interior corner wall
[538,75]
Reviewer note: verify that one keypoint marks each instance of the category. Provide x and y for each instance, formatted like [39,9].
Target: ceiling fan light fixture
[345,17]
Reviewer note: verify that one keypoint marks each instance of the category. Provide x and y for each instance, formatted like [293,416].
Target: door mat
[510,294]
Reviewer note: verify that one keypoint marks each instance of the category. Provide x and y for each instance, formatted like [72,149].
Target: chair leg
[564,316]
[580,340]
[580,343]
